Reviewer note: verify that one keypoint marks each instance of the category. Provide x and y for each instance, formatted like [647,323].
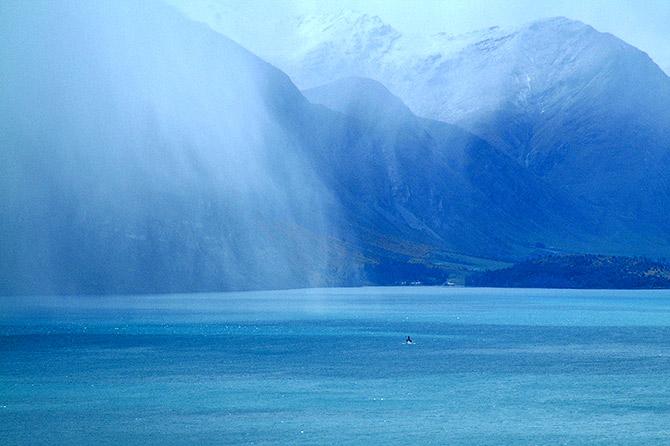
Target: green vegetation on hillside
[578,271]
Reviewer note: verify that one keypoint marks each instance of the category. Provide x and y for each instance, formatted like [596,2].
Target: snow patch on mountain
[433,74]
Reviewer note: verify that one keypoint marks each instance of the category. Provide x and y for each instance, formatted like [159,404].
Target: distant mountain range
[144,152]
[583,110]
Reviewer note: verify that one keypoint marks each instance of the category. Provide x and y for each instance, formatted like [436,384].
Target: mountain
[155,155]
[142,152]
[444,181]
[581,109]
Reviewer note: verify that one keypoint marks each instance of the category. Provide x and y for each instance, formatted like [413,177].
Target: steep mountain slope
[447,182]
[144,152]
[582,109]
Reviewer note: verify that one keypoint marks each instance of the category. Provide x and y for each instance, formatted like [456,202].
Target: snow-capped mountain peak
[332,26]
[570,103]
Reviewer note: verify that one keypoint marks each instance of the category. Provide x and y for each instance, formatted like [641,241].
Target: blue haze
[143,152]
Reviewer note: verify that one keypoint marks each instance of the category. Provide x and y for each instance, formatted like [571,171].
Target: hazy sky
[642,23]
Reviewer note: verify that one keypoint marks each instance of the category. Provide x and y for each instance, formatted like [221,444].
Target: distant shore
[586,271]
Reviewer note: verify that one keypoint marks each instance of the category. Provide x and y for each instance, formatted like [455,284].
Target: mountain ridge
[164,157]
[584,110]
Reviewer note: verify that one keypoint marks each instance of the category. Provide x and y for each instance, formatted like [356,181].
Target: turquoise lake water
[489,367]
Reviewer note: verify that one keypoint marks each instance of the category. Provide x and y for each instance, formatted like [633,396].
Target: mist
[143,152]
